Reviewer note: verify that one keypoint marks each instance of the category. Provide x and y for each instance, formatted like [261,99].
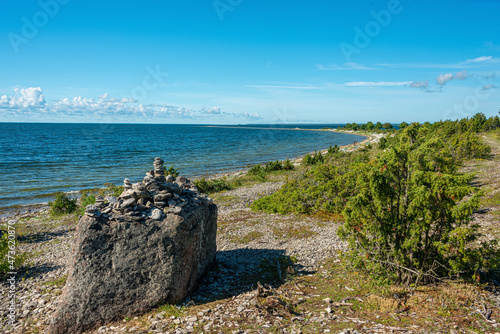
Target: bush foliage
[409,220]
[62,204]
[212,186]
[172,171]
[88,196]
[8,264]
[407,211]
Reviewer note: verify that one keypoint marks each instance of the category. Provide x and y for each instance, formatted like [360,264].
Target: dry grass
[251,236]
[293,232]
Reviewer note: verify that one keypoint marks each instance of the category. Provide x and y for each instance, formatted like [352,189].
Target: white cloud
[249,116]
[420,84]
[26,98]
[479,59]
[286,86]
[469,63]
[442,79]
[461,75]
[377,84]
[104,96]
[30,100]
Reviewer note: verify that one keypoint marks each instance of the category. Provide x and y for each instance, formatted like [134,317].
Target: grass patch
[58,282]
[247,238]
[172,310]
[212,186]
[450,305]
[226,199]
[491,200]
[293,232]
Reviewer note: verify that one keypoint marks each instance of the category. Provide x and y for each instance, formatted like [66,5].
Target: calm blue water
[39,159]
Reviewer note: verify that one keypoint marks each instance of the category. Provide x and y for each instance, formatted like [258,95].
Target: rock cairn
[155,197]
[149,246]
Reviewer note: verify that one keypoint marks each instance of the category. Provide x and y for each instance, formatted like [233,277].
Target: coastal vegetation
[62,204]
[9,263]
[256,173]
[380,197]
[406,209]
[65,204]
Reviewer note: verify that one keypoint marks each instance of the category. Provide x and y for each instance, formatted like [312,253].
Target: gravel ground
[245,239]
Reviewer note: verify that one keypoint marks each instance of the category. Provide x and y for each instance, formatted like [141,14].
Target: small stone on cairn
[149,177]
[158,167]
[99,201]
[92,210]
[127,184]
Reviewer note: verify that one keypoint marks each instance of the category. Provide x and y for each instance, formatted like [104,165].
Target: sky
[248,61]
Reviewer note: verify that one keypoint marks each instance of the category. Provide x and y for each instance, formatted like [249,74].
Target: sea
[39,159]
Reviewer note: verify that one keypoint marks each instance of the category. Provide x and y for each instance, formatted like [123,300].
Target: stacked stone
[99,201]
[92,211]
[126,184]
[154,198]
[159,170]
[149,177]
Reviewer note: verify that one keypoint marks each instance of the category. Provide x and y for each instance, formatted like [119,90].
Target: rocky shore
[39,288]
[252,247]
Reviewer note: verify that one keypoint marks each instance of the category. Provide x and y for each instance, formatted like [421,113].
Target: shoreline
[15,211]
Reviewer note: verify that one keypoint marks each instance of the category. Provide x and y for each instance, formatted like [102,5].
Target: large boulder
[129,257]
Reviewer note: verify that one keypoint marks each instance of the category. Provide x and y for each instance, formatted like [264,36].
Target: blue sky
[242,61]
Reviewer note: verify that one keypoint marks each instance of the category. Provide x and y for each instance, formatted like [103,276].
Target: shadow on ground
[38,237]
[238,271]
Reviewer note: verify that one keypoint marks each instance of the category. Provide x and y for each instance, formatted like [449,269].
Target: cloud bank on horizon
[31,102]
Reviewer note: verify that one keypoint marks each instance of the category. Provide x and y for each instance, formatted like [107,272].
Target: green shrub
[9,263]
[261,172]
[88,196]
[382,144]
[408,211]
[387,126]
[323,188]
[212,186]
[111,189]
[273,165]
[333,150]
[315,159]
[256,170]
[288,165]
[410,218]
[62,204]
[172,171]
[85,199]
